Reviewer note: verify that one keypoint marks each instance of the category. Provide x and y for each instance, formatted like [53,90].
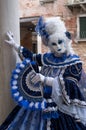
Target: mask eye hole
[60,41]
[54,44]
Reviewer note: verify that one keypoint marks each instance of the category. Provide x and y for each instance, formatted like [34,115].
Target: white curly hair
[56,29]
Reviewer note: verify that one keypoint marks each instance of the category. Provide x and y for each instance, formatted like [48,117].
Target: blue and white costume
[65,102]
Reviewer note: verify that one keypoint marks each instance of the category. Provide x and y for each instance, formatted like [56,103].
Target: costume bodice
[50,71]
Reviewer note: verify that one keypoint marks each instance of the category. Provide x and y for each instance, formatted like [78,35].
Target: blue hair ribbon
[41,28]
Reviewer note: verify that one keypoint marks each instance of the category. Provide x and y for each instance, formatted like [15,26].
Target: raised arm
[22,52]
[11,42]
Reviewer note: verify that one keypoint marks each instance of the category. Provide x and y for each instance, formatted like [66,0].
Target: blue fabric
[74,71]
[82,84]
[71,86]
[28,120]
[73,90]
[50,59]
[27,54]
[10,118]
[65,122]
[68,35]
[47,90]
[32,120]
[50,115]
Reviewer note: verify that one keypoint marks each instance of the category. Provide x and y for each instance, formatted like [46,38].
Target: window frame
[46,1]
[78,28]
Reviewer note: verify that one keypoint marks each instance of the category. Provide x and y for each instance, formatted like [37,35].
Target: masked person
[61,71]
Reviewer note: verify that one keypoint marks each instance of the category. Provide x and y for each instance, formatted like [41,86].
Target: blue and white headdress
[41,30]
[53,28]
[46,28]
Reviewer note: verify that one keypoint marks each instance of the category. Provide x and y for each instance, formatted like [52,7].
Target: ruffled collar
[49,59]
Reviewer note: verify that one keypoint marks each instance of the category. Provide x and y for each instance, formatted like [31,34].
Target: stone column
[9,20]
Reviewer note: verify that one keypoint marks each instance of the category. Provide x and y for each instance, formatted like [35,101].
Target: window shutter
[82,22]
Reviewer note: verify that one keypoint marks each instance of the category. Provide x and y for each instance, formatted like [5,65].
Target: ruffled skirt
[33,120]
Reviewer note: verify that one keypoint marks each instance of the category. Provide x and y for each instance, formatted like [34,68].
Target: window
[82,21]
[81,28]
[46,1]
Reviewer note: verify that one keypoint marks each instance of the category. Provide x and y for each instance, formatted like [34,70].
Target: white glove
[11,40]
[37,77]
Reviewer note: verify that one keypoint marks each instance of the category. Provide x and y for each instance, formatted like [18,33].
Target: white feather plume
[56,29]
[54,25]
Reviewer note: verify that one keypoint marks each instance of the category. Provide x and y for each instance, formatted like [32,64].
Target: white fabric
[78,112]
[48,81]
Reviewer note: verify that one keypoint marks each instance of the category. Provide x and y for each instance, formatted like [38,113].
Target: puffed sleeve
[70,84]
[67,95]
[25,53]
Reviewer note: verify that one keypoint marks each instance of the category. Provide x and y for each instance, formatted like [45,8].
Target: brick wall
[29,8]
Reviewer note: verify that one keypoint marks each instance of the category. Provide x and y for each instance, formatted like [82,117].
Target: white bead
[14,82]
[27,61]
[15,76]
[18,70]
[20,98]
[14,87]
[31,104]
[16,94]
[22,65]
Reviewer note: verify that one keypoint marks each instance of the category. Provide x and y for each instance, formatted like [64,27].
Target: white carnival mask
[57,44]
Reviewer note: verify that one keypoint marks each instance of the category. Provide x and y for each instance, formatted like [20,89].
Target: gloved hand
[37,77]
[11,40]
